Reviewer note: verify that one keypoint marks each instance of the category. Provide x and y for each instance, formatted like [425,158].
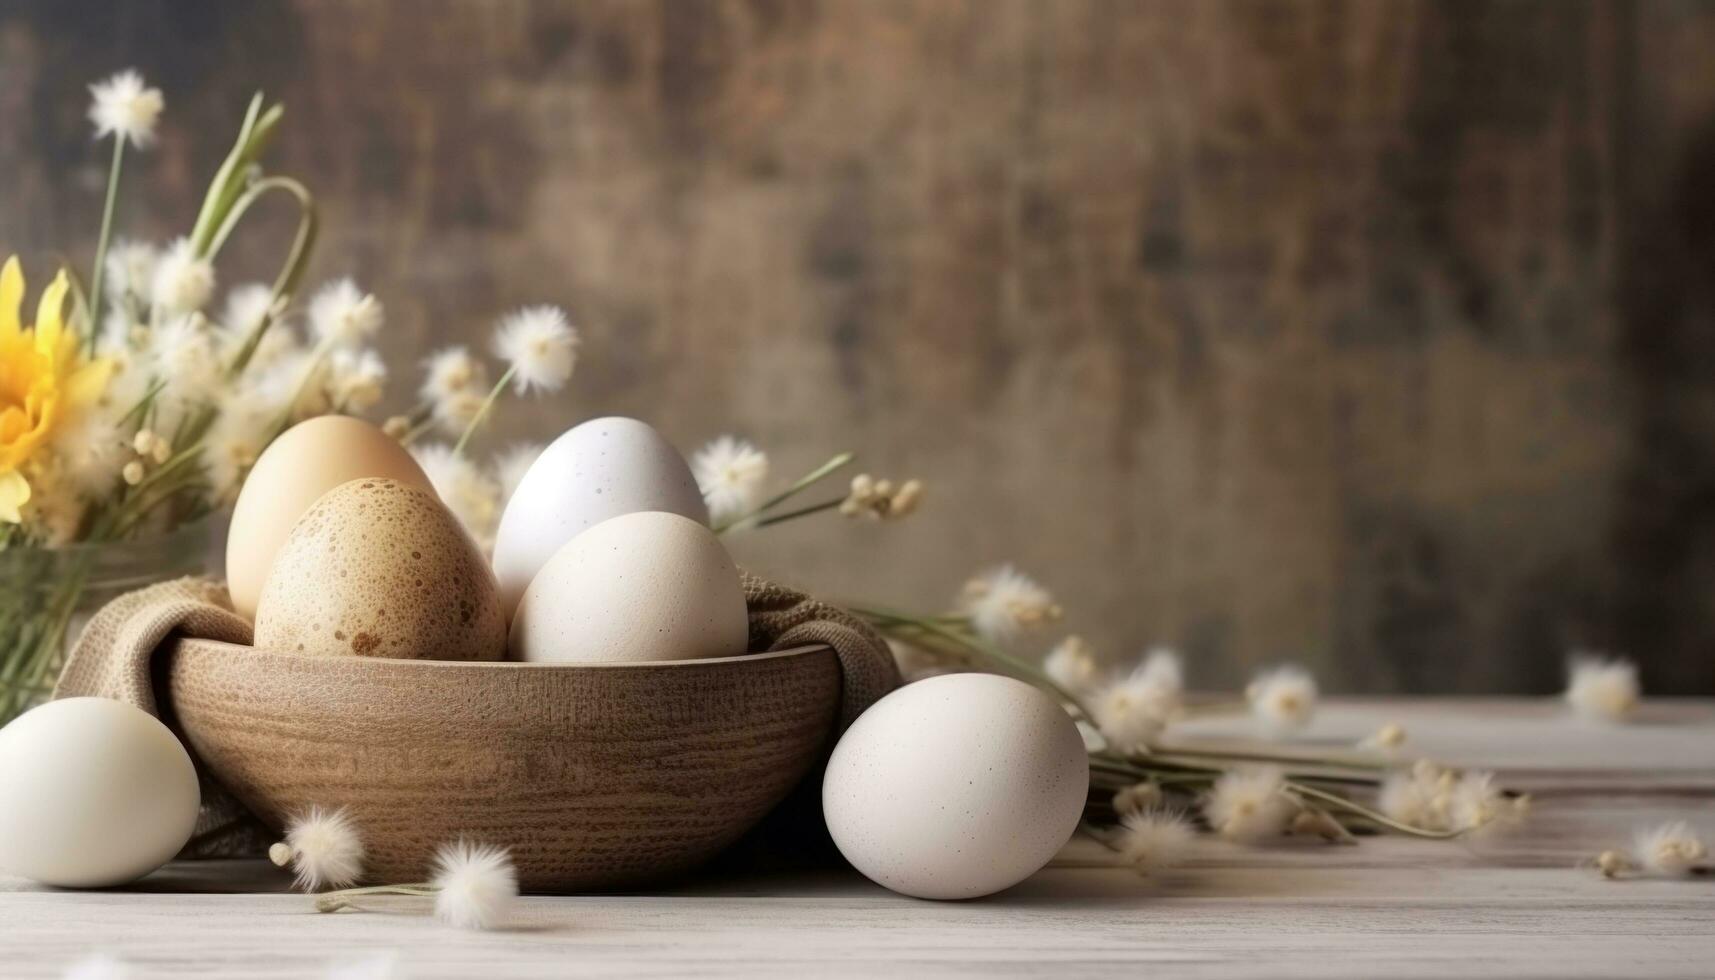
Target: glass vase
[47,596]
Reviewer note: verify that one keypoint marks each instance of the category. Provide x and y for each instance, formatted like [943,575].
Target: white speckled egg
[956,786]
[645,586]
[93,793]
[600,469]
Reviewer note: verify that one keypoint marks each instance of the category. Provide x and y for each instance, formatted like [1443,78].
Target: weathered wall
[1377,335]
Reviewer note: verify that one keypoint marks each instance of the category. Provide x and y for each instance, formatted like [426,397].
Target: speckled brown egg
[378,568]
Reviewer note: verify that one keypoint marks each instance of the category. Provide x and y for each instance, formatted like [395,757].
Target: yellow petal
[14,494]
[48,317]
[11,297]
[85,385]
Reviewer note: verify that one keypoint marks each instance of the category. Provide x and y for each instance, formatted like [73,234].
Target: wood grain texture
[1367,334]
[592,775]
[1516,907]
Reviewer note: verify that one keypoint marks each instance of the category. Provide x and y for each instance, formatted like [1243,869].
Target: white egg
[956,786]
[600,469]
[93,793]
[647,586]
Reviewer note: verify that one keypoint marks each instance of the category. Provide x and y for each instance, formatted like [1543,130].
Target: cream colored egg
[305,462]
[379,568]
[600,469]
[645,586]
[92,793]
[956,786]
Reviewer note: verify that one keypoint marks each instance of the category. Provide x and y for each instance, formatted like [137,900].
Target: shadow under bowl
[593,775]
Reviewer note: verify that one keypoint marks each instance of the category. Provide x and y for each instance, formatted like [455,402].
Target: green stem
[228,183]
[798,486]
[482,412]
[801,512]
[101,242]
[290,274]
[1341,803]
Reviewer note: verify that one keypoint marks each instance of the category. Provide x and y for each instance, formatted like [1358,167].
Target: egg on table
[956,786]
[600,469]
[305,462]
[643,586]
[380,568]
[93,793]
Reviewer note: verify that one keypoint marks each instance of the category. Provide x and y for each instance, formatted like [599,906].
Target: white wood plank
[1517,907]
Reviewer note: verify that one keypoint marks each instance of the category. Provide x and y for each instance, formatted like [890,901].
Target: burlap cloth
[114,658]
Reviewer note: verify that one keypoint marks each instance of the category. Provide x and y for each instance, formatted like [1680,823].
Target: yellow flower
[43,381]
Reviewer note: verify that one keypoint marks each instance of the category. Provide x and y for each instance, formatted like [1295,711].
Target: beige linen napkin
[115,659]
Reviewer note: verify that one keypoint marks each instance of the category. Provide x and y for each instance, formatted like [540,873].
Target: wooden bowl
[595,775]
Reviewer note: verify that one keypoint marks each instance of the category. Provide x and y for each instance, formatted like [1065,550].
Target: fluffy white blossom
[323,848]
[123,106]
[90,450]
[1669,849]
[245,306]
[511,465]
[476,885]
[1004,602]
[342,315]
[237,438]
[1154,839]
[731,473]
[130,271]
[1132,710]
[182,354]
[539,346]
[1603,689]
[182,282]
[1072,664]
[1282,700]
[450,371]
[1248,804]
[1431,797]
[356,378]
[472,496]
[1136,797]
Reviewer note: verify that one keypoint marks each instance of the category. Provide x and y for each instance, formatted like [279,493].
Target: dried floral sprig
[1666,850]
[1602,689]
[1282,699]
[125,108]
[474,887]
[731,473]
[323,848]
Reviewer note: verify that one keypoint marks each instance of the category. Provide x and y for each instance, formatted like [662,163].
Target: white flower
[511,465]
[451,371]
[1431,797]
[1132,711]
[356,378]
[323,847]
[182,354]
[1670,849]
[1072,665]
[1282,699]
[1152,840]
[539,346]
[476,885]
[237,438]
[91,450]
[342,315]
[124,108]
[245,307]
[1248,804]
[470,494]
[182,282]
[130,271]
[98,966]
[1003,602]
[1602,689]
[730,473]
[1136,798]
[293,383]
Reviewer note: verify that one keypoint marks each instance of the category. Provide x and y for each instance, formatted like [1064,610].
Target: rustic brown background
[1376,335]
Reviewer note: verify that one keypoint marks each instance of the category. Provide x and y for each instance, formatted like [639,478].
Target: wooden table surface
[1392,908]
